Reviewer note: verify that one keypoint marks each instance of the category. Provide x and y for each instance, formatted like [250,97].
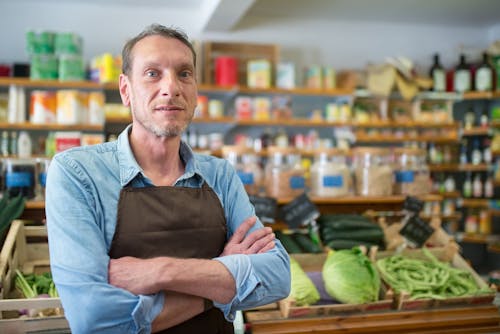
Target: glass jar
[19,176]
[245,162]
[284,174]
[412,175]
[373,172]
[330,175]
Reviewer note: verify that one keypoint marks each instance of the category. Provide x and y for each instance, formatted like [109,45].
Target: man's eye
[151,74]
[185,74]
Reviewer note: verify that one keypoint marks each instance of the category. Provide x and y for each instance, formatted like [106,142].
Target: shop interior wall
[343,45]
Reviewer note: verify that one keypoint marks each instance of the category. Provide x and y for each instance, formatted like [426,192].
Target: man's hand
[259,241]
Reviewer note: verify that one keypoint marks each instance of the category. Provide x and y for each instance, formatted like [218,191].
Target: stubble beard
[169,131]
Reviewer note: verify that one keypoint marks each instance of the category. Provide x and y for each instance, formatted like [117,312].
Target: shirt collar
[129,168]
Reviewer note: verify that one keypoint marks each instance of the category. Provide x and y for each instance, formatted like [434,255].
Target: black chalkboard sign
[299,211]
[416,231]
[413,204]
[265,208]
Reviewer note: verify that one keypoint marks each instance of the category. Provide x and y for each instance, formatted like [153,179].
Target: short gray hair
[154,29]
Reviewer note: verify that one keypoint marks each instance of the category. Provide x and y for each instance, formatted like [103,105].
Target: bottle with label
[24,145]
[462,77]
[476,153]
[483,79]
[438,75]
[484,119]
[13,143]
[4,146]
[469,119]
[477,186]
[487,156]
[489,187]
[467,186]
[463,152]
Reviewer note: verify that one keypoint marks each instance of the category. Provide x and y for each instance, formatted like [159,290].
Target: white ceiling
[222,15]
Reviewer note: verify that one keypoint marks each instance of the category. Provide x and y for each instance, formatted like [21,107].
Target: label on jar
[246,177]
[297,182]
[405,176]
[333,181]
[18,179]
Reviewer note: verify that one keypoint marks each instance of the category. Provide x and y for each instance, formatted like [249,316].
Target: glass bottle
[477,186]
[463,152]
[412,175]
[489,186]
[467,186]
[483,79]
[5,144]
[476,155]
[438,75]
[462,77]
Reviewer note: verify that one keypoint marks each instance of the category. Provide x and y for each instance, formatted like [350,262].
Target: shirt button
[231,317]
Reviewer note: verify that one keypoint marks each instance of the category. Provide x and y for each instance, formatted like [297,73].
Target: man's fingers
[255,236]
[242,230]
[261,243]
[268,247]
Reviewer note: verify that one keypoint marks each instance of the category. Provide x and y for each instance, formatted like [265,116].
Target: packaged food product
[412,175]
[43,107]
[284,174]
[330,175]
[373,171]
[245,161]
[19,176]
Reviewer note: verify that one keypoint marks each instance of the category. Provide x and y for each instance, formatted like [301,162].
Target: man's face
[161,87]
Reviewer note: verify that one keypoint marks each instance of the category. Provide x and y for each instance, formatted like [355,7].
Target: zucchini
[347,223]
[348,244]
[370,235]
[290,245]
[306,243]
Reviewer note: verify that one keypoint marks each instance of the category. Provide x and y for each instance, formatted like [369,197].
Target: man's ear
[124,87]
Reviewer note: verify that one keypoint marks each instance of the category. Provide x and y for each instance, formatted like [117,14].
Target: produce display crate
[26,248]
[243,52]
[448,254]
[311,263]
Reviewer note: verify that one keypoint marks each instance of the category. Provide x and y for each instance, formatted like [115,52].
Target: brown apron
[173,221]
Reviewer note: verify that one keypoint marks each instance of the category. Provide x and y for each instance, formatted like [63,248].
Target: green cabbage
[350,277]
[302,288]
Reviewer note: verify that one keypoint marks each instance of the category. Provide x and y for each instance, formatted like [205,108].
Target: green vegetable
[306,243]
[290,245]
[302,289]
[429,278]
[372,235]
[350,277]
[13,208]
[33,285]
[348,244]
[22,284]
[345,222]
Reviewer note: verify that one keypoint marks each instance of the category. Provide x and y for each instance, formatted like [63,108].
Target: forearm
[177,308]
[204,278]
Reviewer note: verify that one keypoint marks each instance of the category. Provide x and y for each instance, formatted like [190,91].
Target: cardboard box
[26,248]
[313,263]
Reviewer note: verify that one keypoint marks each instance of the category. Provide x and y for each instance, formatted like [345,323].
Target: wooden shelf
[459,168]
[399,139]
[476,203]
[476,131]
[478,95]
[477,238]
[27,82]
[52,127]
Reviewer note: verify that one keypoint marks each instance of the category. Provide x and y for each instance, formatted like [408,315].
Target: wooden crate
[243,52]
[446,254]
[25,248]
[314,263]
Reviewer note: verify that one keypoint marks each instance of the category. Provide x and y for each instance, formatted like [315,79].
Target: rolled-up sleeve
[79,258]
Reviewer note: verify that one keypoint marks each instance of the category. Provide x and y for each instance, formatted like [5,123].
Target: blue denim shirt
[83,187]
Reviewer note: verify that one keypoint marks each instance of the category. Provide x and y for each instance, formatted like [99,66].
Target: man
[145,235]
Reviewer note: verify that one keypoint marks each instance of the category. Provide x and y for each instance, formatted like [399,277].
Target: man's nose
[170,84]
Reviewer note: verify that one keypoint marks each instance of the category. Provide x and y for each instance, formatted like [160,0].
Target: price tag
[265,208]
[416,231]
[300,211]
